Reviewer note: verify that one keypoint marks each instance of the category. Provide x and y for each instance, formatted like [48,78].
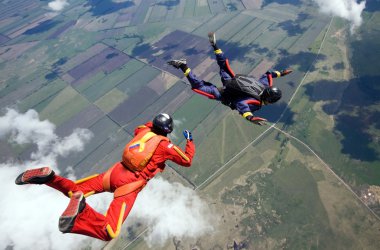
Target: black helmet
[271,95]
[163,124]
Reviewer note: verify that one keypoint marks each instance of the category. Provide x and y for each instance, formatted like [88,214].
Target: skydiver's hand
[286,72]
[257,120]
[188,135]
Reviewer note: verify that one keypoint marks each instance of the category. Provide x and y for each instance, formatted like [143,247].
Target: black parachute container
[247,85]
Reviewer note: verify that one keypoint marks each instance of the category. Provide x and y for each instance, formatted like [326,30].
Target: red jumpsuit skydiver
[106,227]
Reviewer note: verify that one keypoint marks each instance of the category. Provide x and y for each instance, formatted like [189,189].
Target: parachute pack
[246,85]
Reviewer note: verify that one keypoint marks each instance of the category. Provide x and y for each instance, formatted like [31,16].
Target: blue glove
[187,135]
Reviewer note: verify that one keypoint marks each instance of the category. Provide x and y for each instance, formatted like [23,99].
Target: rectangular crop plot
[141,12]
[13,51]
[271,39]
[177,44]
[202,8]
[241,36]
[108,60]
[102,153]
[227,31]
[216,6]
[101,130]
[167,102]
[65,105]
[110,100]
[189,8]
[137,80]
[42,94]
[62,29]
[158,13]
[234,5]
[84,56]
[309,36]
[83,119]
[98,87]
[213,24]
[133,106]
[3,39]
[191,113]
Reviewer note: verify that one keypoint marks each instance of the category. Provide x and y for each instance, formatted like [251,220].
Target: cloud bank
[172,210]
[347,9]
[29,214]
[58,5]
[169,210]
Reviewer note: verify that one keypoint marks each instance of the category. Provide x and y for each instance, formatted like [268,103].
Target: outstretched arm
[246,111]
[254,119]
[177,155]
[274,74]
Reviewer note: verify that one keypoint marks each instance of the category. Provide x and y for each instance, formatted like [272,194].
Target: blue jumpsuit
[245,105]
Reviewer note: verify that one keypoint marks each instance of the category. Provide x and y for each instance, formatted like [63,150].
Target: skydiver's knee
[112,233]
[108,238]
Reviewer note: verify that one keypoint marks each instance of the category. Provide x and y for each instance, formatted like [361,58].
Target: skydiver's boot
[212,40]
[76,205]
[179,64]
[35,176]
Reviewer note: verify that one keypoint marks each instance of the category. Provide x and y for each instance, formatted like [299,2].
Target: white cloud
[58,5]
[347,9]
[172,210]
[29,213]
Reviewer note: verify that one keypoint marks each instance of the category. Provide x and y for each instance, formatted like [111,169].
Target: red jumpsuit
[106,227]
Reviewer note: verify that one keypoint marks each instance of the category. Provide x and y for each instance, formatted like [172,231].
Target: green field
[267,189]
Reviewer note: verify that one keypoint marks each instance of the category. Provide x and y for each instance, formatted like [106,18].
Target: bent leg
[118,212]
[225,71]
[104,227]
[89,185]
[202,87]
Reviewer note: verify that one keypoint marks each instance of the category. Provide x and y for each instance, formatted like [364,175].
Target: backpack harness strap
[106,179]
[270,80]
[204,93]
[230,71]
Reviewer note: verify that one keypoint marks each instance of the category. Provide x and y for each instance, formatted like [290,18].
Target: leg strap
[129,188]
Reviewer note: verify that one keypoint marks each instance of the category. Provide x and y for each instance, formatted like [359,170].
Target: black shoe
[76,205]
[177,63]
[35,176]
[212,38]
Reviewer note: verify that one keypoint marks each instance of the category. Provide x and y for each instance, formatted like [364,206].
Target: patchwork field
[101,65]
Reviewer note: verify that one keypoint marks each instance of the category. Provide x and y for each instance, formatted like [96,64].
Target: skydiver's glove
[257,120]
[286,72]
[188,135]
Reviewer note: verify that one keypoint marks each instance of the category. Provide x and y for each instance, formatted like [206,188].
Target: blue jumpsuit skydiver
[243,103]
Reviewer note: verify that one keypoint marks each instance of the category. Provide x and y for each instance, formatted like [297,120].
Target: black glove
[257,120]
[286,72]
[188,135]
